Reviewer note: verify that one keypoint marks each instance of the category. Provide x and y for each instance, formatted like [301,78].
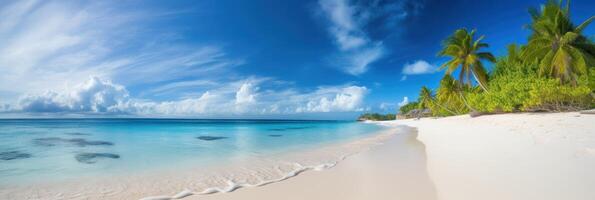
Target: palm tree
[448,94]
[427,100]
[465,53]
[558,47]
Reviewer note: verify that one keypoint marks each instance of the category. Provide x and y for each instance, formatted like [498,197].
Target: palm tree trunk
[463,98]
[443,107]
[468,78]
[480,84]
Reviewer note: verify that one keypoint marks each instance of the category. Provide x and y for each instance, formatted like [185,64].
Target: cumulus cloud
[418,67]
[348,20]
[98,96]
[344,99]
[246,94]
[95,95]
[207,103]
[404,102]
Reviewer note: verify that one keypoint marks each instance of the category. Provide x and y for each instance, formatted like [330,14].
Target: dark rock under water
[210,138]
[13,155]
[90,158]
[53,141]
[275,135]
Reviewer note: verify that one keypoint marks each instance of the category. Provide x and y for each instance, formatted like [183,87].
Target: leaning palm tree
[448,94]
[465,54]
[427,100]
[557,45]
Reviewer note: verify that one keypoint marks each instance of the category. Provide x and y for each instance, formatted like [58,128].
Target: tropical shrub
[376,117]
[449,95]
[550,95]
[529,92]
[408,107]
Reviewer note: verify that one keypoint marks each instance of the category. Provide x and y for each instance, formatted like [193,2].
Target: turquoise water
[56,149]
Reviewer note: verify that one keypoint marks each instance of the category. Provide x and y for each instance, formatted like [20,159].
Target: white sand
[510,156]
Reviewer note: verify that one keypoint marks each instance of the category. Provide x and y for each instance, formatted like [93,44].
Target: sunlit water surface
[55,149]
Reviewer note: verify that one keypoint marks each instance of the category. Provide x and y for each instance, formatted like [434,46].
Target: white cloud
[43,43]
[357,50]
[205,104]
[95,96]
[345,99]
[181,85]
[246,94]
[346,31]
[348,22]
[404,102]
[418,67]
[98,96]
[360,60]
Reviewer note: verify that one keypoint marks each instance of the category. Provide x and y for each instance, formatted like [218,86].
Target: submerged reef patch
[53,141]
[275,135]
[13,155]
[90,158]
[210,138]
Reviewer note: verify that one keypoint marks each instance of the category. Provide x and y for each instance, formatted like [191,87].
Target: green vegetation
[376,117]
[557,45]
[448,95]
[554,71]
[408,107]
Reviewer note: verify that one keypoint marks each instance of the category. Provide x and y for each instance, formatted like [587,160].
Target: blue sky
[328,59]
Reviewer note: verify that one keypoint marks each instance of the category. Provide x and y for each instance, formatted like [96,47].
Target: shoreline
[335,154]
[184,182]
[395,169]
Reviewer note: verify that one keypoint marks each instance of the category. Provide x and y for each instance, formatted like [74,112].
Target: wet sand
[393,170]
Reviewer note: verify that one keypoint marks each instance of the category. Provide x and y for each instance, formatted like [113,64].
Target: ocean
[42,150]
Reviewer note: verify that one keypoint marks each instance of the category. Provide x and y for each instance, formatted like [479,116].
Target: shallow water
[36,150]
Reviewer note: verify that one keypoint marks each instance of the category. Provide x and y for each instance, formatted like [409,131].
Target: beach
[510,156]
[506,156]
[394,170]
